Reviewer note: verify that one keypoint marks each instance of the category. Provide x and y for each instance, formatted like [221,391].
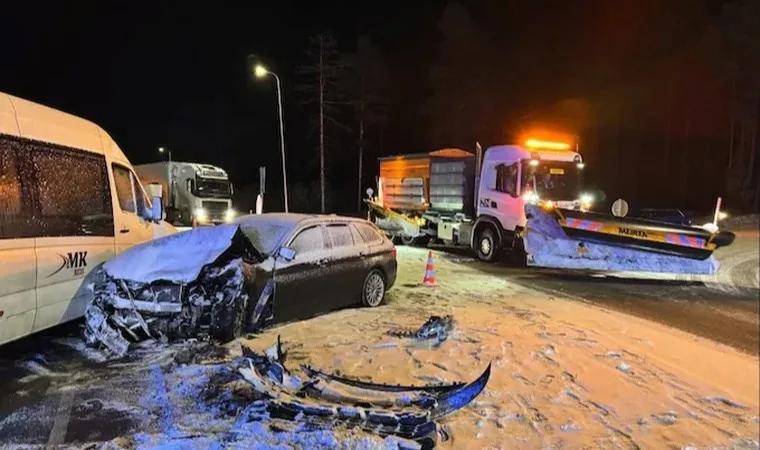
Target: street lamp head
[161,149]
[260,71]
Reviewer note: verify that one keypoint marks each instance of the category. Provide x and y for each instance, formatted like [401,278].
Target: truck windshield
[211,188]
[552,180]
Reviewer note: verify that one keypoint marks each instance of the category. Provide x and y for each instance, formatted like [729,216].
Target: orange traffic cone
[429,279]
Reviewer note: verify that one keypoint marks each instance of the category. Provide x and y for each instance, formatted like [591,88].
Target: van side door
[130,206]
[18,265]
[73,227]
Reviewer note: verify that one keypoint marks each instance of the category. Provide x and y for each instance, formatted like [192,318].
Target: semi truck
[195,193]
[475,199]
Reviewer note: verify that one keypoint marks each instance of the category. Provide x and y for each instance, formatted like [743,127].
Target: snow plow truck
[527,198]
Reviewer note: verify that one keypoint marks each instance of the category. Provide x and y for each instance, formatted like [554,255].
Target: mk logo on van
[72,260]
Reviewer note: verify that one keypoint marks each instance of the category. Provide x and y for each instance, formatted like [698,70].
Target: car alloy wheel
[374,289]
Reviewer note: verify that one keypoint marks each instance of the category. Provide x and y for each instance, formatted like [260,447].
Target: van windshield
[552,180]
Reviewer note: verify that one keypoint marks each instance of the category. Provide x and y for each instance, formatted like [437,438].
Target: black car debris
[220,282]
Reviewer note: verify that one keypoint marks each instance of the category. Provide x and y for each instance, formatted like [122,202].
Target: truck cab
[512,176]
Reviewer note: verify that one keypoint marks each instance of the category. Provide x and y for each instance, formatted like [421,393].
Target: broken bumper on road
[323,400]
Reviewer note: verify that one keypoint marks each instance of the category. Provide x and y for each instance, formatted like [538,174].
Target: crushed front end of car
[188,285]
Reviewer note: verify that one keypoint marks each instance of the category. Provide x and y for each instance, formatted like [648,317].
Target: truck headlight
[586,201]
[229,216]
[530,197]
[201,215]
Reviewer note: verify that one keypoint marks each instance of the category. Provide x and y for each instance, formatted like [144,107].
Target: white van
[69,200]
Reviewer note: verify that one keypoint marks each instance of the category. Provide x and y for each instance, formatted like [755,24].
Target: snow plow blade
[392,222]
[563,239]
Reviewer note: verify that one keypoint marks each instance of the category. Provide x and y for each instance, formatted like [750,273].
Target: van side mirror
[155,192]
[287,253]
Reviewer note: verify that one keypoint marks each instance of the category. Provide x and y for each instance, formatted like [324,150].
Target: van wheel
[487,244]
[373,289]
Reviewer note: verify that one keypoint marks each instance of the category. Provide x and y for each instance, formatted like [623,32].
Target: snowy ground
[565,374]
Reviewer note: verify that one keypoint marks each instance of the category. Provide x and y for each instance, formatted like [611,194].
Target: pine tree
[369,98]
[323,79]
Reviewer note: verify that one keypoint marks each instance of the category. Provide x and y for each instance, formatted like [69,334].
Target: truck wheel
[405,240]
[421,241]
[487,244]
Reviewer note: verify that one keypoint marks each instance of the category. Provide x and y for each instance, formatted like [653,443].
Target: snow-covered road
[565,373]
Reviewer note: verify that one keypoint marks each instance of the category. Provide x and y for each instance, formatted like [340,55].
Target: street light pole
[282,138]
[260,71]
[163,149]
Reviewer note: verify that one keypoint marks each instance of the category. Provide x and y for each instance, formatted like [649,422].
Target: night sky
[175,75]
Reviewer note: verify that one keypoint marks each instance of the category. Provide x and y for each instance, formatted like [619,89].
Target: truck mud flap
[548,245]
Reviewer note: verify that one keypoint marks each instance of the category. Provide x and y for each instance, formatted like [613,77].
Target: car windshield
[552,180]
[265,233]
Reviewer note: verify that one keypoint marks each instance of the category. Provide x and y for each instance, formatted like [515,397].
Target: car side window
[308,240]
[369,234]
[340,235]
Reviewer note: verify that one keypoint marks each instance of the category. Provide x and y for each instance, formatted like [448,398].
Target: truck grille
[216,210]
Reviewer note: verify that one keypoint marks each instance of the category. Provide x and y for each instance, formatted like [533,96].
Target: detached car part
[325,400]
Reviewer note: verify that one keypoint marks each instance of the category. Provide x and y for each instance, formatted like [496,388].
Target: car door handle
[124,230]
